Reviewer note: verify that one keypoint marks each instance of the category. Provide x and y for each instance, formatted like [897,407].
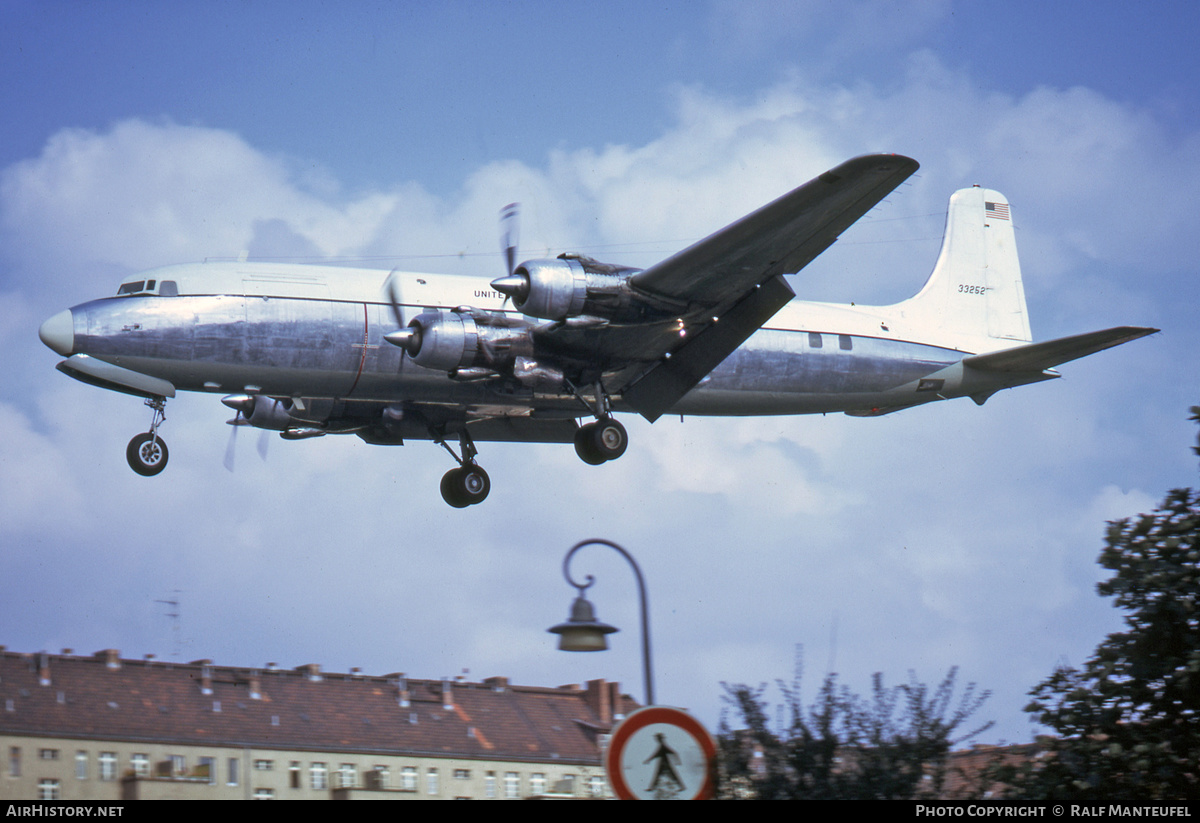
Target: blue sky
[140,134]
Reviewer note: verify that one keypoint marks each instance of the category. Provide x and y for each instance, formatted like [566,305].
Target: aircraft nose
[59,332]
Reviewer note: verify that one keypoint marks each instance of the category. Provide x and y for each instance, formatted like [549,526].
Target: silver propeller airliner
[312,350]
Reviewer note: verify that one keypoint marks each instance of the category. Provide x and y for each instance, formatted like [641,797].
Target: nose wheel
[147,453]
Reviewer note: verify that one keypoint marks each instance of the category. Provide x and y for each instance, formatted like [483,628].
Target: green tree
[1128,723]
[890,745]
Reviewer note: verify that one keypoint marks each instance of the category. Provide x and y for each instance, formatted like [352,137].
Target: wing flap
[663,386]
[1037,357]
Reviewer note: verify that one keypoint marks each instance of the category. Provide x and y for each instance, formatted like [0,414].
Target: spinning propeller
[237,422]
[511,285]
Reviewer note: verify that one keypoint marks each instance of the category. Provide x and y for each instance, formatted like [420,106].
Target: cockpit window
[165,288]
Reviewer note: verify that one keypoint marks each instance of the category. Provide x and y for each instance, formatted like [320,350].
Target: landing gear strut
[603,440]
[468,484]
[146,452]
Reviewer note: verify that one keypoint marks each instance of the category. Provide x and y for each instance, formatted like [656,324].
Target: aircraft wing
[1038,357]
[729,284]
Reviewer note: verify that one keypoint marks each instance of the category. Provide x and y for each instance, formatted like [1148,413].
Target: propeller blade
[394,299]
[231,447]
[264,440]
[508,234]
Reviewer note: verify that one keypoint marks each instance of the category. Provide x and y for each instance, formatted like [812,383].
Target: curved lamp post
[582,632]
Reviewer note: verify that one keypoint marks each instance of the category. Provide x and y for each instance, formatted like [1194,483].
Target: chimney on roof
[111,657]
[43,668]
[205,676]
[447,694]
[497,684]
[312,671]
[402,687]
[255,685]
[68,651]
[599,699]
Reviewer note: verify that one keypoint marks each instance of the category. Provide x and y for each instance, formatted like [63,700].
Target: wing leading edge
[732,280]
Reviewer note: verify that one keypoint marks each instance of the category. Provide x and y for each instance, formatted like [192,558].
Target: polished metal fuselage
[276,332]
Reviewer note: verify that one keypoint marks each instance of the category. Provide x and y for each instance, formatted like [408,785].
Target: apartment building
[101,728]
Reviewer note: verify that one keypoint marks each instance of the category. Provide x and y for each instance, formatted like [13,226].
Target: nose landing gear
[147,453]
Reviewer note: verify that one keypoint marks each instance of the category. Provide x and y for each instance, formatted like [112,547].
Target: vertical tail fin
[974,298]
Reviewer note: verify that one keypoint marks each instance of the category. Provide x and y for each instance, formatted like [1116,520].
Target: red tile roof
[104,697]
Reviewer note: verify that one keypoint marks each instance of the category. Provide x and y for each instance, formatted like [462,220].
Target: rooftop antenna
[175,615]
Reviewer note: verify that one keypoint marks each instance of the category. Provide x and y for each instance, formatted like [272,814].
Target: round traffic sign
[661,753]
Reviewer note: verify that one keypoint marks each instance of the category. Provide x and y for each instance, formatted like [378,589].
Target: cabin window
[814,340]
[168,288]
[845,343]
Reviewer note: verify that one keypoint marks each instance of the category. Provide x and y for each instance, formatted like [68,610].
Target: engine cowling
[569,286]
[467,341]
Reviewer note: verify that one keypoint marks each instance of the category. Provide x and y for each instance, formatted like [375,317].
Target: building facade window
[206,767]
[108,765]
[231,772]
[408,779]
[14,761]
[178,764]
[596,786]
[48,789]
[489,785]
[294,774]
[319,774]
[512,785]
[462,774]
[264,794]
[348,776]
[81,759]
[431,781]
[264,765]
[537,784]
[48,754]
[140,763]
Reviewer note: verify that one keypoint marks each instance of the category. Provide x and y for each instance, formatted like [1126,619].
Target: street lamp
[582,632]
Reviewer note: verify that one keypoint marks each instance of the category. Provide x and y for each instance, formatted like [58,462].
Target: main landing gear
[146,452]
[468,484]
[603,440]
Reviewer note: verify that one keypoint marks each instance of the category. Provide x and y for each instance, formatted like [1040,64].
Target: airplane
[311,350]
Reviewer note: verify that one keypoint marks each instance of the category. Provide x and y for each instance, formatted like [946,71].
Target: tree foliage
[1128,723]
[892,744]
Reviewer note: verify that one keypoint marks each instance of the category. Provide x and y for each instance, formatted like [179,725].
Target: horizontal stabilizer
[1038,357]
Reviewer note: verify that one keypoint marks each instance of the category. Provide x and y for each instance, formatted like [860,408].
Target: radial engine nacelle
[261,412]
[571,286]
[472,344]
